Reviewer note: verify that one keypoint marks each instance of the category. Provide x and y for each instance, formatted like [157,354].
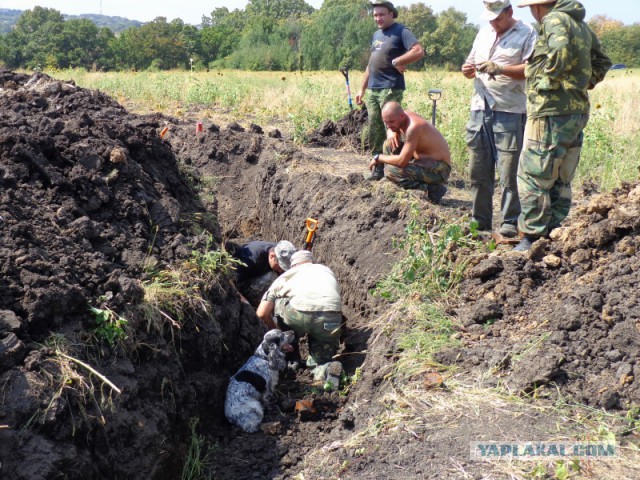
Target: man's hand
[359,97]
[393,140]
[490,68]
[468,70]
[373,163]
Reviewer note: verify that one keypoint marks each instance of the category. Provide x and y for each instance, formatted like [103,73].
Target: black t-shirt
[256,255]
[385,46]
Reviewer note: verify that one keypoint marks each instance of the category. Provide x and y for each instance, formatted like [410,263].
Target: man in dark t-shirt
[264,261]
[393,47]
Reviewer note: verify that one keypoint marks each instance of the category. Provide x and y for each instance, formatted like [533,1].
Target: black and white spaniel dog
[255,382]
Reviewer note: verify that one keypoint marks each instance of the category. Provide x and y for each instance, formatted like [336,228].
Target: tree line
[281,35]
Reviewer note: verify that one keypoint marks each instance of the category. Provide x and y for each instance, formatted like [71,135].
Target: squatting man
[416,151]
[306,299]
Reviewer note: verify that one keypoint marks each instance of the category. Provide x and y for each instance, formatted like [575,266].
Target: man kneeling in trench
[306,299]
[416,151]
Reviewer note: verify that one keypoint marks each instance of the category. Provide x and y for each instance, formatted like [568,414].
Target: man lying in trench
[306,299]
[416,151]
[263,262]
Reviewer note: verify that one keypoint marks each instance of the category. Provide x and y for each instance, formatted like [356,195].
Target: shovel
[434,95]
[345,72]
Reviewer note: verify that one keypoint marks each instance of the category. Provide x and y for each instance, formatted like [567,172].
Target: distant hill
[8,19]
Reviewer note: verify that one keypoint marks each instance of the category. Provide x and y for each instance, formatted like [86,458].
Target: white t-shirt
[311,287]
[504,94]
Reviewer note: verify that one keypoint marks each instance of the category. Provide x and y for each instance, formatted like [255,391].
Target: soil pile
[88,195]
[347,133]
[566,315]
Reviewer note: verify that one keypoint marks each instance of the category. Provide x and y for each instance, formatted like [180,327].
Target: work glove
[490,68]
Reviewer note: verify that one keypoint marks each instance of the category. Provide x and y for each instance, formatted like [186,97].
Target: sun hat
[284,251]
[493,8]
[387,5]
[527,3]
[301,256]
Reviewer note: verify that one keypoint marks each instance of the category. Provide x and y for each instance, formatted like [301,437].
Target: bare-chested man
[417,153]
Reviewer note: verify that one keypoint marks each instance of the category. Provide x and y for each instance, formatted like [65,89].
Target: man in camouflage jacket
[567,61]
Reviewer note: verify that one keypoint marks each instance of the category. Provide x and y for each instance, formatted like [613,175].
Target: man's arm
[404,157]
[600,62]
[558,40]
[415,53]
[265,313]
[363,87]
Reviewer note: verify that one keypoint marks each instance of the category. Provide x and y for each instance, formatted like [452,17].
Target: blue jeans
[494,138]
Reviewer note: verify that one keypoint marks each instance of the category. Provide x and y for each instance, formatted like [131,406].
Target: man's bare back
[431,145]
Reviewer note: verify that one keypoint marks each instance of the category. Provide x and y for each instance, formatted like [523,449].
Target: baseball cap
[493,8]
[284,251]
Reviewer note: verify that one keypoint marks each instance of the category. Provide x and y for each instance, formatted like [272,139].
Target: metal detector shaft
[345,72]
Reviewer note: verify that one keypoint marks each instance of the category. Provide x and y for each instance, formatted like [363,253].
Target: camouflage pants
[322,328]
[375,100]
[494,139]
[547,166]
[415,176]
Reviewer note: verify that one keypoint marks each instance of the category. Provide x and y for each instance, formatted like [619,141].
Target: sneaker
[436,192]
[377,174]
[508,230]
[333,373]
[525,244]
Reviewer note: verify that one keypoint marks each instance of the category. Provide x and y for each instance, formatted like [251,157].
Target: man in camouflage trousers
[393,47]
[567,61]
[306,299]
[495,129]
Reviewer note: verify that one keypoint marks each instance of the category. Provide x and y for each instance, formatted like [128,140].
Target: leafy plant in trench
[110,327]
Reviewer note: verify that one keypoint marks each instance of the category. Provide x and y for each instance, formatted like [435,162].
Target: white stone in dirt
[552,261]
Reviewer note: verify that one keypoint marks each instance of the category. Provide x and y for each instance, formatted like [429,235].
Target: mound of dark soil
[567,315]
[88,195]
[347,133]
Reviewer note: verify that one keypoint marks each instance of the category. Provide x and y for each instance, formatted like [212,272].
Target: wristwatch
[376,157]
[394,62]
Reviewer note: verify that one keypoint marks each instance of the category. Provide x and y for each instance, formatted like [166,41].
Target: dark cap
[387,5]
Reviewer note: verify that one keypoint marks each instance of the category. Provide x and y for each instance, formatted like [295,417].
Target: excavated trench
[90,197]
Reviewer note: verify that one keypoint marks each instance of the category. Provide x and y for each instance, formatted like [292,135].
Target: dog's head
[274,345]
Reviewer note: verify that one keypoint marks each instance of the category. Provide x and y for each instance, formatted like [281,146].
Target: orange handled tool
[312,226]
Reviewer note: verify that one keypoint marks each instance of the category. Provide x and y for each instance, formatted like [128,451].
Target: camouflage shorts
[323,330]
[547,166]
[415,176]
[375,100]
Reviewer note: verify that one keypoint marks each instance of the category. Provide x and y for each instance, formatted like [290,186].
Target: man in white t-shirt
[498,112]
[307,299]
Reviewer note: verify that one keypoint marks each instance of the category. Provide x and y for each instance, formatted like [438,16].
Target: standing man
[418,155]
[498,113]
[567,61]
[393,47]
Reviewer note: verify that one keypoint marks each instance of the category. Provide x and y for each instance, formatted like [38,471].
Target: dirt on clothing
[93,200]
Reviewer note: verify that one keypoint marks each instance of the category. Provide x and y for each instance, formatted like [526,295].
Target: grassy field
[299,102]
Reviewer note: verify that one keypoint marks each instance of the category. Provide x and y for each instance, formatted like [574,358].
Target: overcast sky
[191,11]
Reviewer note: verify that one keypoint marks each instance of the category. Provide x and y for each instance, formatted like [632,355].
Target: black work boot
[377,174]
[436,192]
